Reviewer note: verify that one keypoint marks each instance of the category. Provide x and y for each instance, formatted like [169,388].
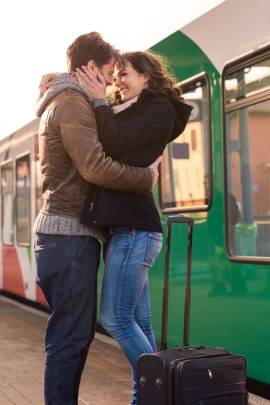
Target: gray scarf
[62,82]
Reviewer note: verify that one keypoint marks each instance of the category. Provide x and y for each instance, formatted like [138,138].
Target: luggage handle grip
[190,348]
[180,219]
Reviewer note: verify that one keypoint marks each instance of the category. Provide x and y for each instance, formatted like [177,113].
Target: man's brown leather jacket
[71,156]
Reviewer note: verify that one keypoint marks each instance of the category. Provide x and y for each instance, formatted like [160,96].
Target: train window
[247,159]
[39,201]
[253,79]
[186,166]
[23,200]
[7,204]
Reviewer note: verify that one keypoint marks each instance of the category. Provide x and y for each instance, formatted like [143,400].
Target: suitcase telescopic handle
[169,221]
[185,348]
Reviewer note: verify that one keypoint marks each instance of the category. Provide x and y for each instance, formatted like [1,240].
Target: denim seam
[142,323]
[147,251]
[65,331]
[131,238]
[155,236]
[77,257]
[148,248]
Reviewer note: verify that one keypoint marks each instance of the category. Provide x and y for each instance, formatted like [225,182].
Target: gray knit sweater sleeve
[99,101]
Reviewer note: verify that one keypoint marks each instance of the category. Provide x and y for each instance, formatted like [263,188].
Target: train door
[20,201]
[15,218]
[186,187]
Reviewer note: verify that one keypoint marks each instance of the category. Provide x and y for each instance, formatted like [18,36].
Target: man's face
[107,72]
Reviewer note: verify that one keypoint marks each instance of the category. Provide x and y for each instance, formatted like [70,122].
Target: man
[67,252]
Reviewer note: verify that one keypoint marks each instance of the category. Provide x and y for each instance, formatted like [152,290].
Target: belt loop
[133,230]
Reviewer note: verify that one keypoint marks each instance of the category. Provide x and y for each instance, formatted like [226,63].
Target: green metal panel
[230,302]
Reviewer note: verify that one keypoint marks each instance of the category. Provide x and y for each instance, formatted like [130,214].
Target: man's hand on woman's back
[154,169]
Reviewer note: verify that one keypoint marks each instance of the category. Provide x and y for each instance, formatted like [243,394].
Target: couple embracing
[99,163]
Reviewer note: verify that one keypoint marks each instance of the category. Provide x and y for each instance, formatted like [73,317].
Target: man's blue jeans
[125,302]
[67,273]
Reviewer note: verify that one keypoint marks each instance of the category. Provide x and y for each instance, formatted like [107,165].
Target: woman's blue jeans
[125,302]
[66,273]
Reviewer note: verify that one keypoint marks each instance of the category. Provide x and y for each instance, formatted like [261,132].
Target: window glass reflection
[7,204]
[185,168]
[23,200]
[248,81]
[248,180]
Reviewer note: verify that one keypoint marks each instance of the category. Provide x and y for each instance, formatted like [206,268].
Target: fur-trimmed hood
[61,83]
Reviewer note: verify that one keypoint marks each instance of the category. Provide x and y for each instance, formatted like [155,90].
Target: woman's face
[129,82]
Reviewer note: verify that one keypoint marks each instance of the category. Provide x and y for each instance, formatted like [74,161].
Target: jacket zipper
[92,203]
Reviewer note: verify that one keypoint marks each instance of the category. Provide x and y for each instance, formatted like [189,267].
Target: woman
[148,113]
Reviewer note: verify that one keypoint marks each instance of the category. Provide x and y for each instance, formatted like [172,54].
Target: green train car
[217,171]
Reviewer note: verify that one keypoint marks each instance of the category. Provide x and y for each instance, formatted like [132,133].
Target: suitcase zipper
[222,368]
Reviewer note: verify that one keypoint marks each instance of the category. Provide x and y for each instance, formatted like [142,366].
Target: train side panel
[230,295]
[19,204]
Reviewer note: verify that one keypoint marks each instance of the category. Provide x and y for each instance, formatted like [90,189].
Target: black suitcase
[189,375]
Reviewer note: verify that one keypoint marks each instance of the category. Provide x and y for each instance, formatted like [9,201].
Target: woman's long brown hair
[155,67]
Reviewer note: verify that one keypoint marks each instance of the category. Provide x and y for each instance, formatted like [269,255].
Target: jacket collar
[61,83]
[118,108]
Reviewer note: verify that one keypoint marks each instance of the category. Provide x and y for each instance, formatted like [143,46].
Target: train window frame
[188,83]
[5,163]
[233,66]
[240,64]
[18,157]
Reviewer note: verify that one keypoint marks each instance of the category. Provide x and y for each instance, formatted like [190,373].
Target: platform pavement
[106,379]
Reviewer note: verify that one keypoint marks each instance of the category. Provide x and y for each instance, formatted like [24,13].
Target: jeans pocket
[44,241]
[79,245]
[47,250]
[154,245]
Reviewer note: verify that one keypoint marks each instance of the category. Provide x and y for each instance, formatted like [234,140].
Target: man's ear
[92,67]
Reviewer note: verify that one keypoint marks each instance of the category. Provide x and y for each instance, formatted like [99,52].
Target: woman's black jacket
[136,136]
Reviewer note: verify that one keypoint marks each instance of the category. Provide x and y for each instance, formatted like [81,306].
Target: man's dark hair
[90,47]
